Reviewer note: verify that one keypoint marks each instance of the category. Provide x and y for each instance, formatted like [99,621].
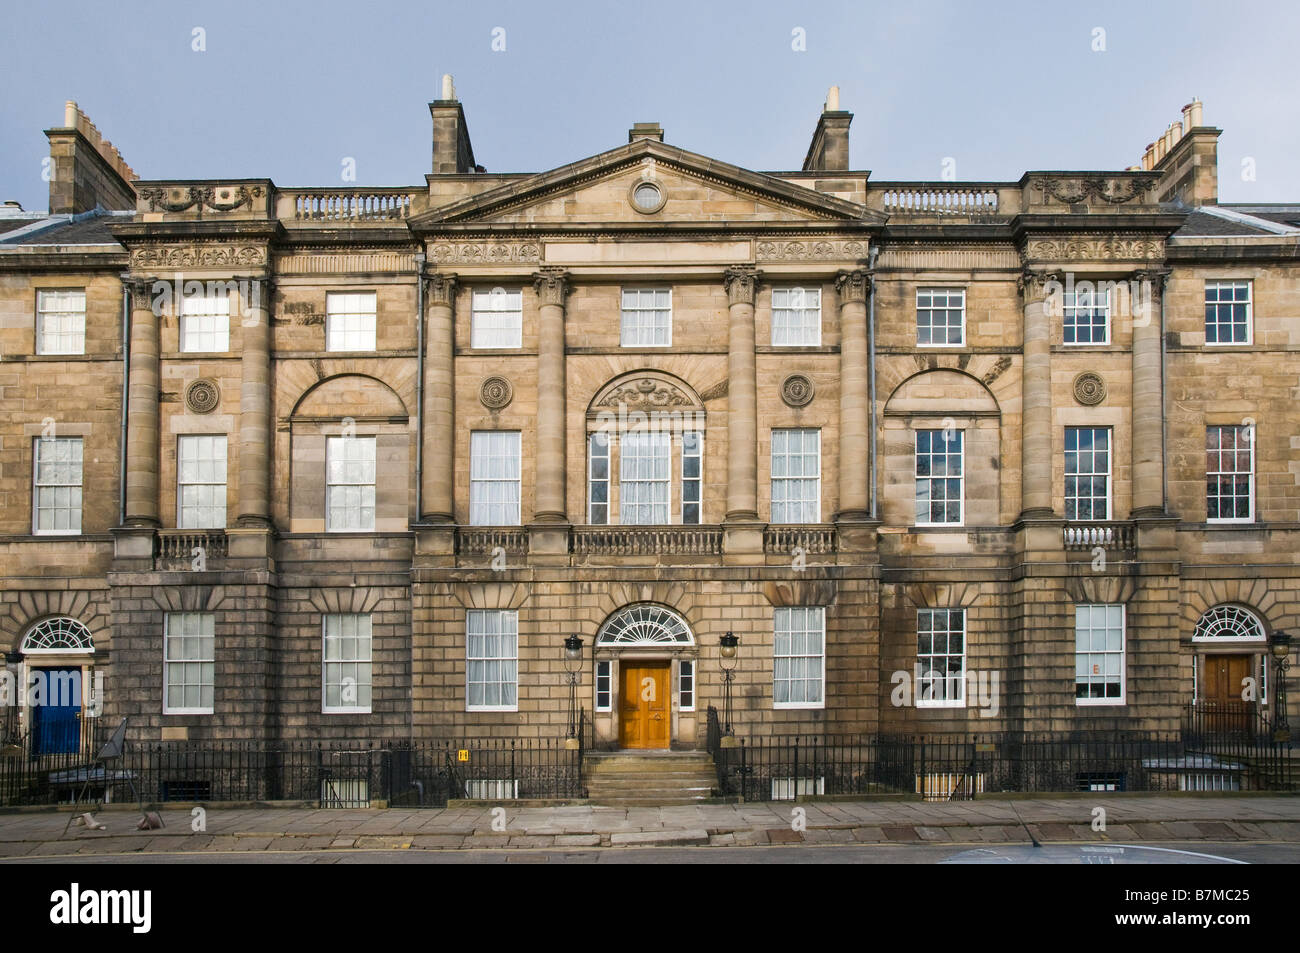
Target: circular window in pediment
[647,197]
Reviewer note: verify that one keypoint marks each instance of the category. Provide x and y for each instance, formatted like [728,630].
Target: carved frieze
[213,198]
[813,250]
[1113,190]
[1095,249]
[198,256]
[484,253]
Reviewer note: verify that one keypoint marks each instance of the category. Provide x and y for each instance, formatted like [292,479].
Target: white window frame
[600,447]
[219,496]
[946,308]
[488,309]
[604,685]
[685,677]
[958,683]
[332,447]
[808,613]
[1109,474]
[76,491]
[206,661]
[696,454]
[213,305]
[482,448]
[654,448]
[1098,301]
[639,310]
[1218,284]
[358,621]
[73,312]
[810,316]
[351,317]
[931,479]
[1122,653]
[1247,436]
[816,503]
[509,619]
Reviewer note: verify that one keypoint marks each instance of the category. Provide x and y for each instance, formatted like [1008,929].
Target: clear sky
[289,90]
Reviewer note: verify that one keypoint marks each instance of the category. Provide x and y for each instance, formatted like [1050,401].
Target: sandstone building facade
[350,463]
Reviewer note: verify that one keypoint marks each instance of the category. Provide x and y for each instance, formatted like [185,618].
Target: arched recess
[1230,666]
[659,420]
[360,422]
[645,624]
[941,453]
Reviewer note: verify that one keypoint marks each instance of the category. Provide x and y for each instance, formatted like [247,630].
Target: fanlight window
[645,625]
[59,635]
[1229,622]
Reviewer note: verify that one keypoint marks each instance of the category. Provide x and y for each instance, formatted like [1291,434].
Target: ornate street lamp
[572,666]
[727,649]
[1279,644]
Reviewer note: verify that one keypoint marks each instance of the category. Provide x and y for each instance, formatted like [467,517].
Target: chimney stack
[829,150]
[452,152]
[86,171]
[1187,156]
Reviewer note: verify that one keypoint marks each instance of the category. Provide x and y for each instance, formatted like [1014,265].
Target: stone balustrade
[1087,536]
[810,539]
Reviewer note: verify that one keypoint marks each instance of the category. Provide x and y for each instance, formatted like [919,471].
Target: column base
[549,542]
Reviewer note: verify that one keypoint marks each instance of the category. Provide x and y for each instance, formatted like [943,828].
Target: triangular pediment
[694,189]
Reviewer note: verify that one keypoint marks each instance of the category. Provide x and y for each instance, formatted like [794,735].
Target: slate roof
[60,230]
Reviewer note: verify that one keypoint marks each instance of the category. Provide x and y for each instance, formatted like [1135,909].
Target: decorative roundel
[496,393]
[202,396]
[1089,388]
[797,391]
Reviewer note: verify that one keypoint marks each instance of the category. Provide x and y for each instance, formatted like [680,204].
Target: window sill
[346,711]
[922,703]
[798,706]
[512,708]
[188,711]
[1100,703]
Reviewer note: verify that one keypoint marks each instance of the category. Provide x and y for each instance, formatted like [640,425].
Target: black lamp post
[573,665]
[1279,644]
[727,650]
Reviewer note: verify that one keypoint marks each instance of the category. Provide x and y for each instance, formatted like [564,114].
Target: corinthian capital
[741,283]
[1037,285]
[853,285]
[551,284]
[440,288]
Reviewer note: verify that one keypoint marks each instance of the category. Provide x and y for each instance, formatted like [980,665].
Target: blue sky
[288,90]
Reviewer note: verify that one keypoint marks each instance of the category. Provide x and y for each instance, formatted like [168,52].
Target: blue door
[56,722]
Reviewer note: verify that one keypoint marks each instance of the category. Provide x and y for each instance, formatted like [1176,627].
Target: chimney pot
[70,115]
[833,99]
[448,87]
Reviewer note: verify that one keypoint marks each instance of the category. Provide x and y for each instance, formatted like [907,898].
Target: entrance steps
[648,778]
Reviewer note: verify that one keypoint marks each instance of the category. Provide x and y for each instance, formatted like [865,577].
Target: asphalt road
[1196,852]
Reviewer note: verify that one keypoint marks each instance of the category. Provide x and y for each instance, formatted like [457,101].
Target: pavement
[1061,820]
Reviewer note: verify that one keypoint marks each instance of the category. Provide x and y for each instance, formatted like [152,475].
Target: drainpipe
[871,373]
[419,385]
[126,381]
[1164,407]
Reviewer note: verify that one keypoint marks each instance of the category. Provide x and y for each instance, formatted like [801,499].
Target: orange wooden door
[644,710]
[1225,677]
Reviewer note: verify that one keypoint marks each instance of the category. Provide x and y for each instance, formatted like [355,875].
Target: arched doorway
[1230,669]
[645,676]
[58,654]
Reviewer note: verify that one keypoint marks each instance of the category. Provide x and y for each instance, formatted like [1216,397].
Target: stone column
[1148,400]
[142,409]
[1036,398]
[255,407]
[742,395]
[551,506]
[853,288]
[438,439]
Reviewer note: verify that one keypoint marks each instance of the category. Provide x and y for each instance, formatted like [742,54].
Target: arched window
[1229,623]
[58,635]
[645,624]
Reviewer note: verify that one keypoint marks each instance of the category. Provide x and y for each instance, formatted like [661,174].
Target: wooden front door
[645,715]
[1225,679]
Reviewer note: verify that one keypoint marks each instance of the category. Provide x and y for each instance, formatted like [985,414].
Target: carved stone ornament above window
[797,390]
[1089,388]
[647,393]
[202,396]
[496,393]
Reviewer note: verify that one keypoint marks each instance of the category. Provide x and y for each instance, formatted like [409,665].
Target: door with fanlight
[645,714]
